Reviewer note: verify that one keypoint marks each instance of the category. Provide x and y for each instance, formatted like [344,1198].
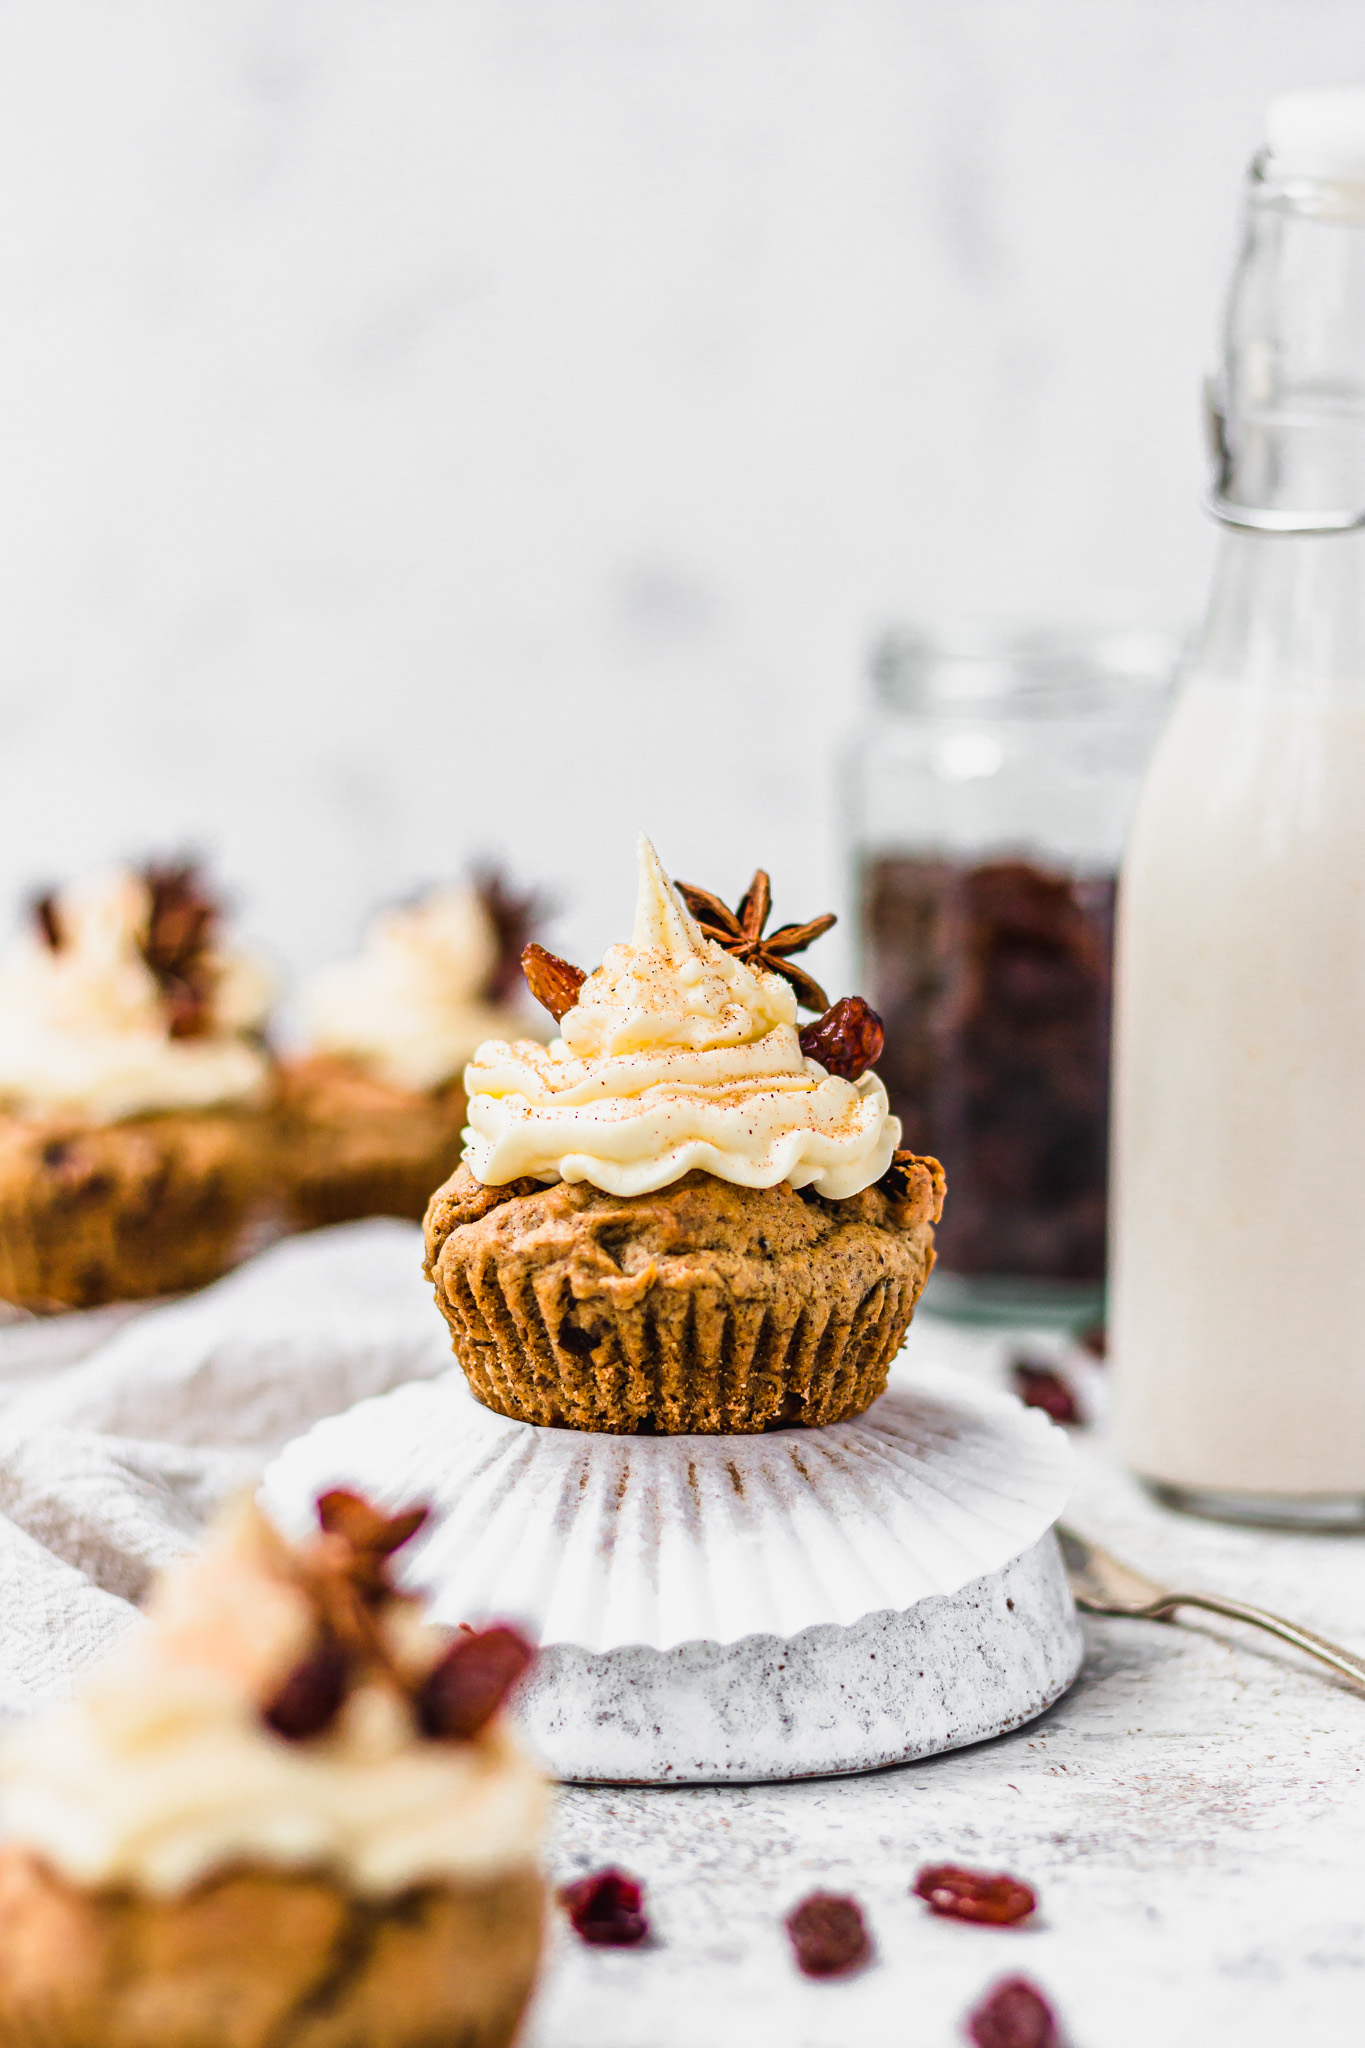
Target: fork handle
[1343,1661]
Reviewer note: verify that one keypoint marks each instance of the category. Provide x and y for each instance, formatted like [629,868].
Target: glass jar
[987,802]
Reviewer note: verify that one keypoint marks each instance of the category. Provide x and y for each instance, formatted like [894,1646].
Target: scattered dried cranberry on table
[988,1897]
[605,1909]
[1014,2015]
[828,1935]
[1038,1386]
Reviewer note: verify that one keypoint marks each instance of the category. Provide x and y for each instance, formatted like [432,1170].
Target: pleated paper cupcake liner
[605,1541]
[686,1360]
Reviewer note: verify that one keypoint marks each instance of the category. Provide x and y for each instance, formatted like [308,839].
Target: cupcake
[372,1112]
[683,1214]
[135,1144]
[285,1814]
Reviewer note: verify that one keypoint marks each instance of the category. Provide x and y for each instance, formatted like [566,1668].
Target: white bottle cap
[1318,135]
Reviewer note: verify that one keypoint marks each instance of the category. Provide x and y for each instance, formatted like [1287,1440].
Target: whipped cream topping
[84,1028]
[676,1056]
[410,1006]
[162,1770]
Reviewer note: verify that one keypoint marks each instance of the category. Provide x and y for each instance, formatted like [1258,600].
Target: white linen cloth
[123,1429]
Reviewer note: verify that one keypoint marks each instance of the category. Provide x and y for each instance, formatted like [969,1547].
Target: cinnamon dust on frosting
[677,1055]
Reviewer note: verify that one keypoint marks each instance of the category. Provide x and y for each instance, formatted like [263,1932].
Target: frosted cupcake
[285,1814]
[373,1110]
[135,1148]
[683,1214]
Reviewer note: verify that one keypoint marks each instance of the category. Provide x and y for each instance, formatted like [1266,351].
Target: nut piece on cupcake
[286,1814]
[135,1144]
[674,1217]
[373,1110]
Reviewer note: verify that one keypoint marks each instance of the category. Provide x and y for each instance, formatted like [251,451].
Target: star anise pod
[180,920]
[740,931]
[553,982]
[370,1537]
[513,917]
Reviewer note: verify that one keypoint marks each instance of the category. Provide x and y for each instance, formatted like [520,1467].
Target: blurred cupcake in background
[135,1143]
[373,1109]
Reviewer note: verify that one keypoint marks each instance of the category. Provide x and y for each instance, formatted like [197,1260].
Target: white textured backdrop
[439,425]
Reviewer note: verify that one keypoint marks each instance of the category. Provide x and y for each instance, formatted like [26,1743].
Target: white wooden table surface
[1192,1816]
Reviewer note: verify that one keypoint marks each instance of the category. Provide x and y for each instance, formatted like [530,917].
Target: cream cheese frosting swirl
[162,1770]
[676,1056]
[409,1007]
[84,1028]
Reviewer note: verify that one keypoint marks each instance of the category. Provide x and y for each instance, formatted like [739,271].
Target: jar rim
[1031,667]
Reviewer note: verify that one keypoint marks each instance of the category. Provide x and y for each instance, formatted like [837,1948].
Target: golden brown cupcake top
[285,1706]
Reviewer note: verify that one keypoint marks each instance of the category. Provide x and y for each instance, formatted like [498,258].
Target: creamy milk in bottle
[1238,1313]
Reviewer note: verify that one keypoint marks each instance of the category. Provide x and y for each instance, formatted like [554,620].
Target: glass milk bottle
[1238,1312]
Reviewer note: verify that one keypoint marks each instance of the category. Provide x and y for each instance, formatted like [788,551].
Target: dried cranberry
[309,1700]
[828,1935]
[471,1681]
[847,1040]
[604,1909]
[991,1898]
[1094,1340]
[1013,2015]
[1038,1386]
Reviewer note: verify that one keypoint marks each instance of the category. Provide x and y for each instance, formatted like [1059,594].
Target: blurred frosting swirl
[676,1056]
[410,1007]
[162,1770]
[84,1027]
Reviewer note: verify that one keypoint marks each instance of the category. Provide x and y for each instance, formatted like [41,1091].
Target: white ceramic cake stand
[735,1608]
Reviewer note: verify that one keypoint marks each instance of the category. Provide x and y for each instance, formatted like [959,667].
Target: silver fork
[1100,1584]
